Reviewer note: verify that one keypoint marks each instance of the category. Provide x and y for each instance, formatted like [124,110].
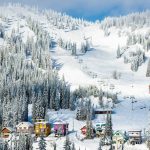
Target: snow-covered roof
[120,133]
[60,122]
[42,122]
[98,123]
[9,128]
[135,130]
[24,124]
[103,109]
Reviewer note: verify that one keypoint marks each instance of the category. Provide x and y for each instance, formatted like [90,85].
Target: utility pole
[132,102]
[73,125]
[132,96]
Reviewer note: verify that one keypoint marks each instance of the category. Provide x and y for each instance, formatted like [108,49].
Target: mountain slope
[99,65]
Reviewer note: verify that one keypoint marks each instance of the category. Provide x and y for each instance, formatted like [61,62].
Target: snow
[24,124]
[100,60]
[75,132]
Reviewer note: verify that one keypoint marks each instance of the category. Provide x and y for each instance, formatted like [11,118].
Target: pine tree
[118,52]
[5,146]
[134,65]
[29,142]
[42,143]
[83,48]
[100,145]
[101,98]
[89,128]
[148,144]
[72,101]
[22,143]
[54,146]
[67,144]
[73,147]
[74,49]
[108,130]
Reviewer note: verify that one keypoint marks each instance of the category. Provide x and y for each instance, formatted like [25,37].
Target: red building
[61,128]
[6,132]
[84,129]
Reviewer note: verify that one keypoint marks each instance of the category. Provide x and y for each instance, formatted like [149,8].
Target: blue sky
[90,9]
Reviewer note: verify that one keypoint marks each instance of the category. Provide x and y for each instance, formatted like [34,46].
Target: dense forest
[27,77]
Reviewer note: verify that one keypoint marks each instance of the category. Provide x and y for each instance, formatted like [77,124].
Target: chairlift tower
[88,39]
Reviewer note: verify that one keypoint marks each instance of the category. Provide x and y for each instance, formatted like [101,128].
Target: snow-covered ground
[75,133]
[100,60]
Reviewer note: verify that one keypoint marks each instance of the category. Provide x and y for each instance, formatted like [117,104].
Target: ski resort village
[71,84]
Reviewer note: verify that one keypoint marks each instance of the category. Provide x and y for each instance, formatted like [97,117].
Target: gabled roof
[83,127]
[120,133]
[60,122]
[25,123]
[9,128]
[101,123]
[43,122]
[101,109]
[135,130]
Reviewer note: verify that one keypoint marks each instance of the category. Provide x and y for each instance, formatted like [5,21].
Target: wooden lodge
[25,127]
[135,137]
[103,111]
[6,132]
[41,127]
[60,128]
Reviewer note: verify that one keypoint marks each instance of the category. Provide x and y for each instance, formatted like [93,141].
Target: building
[25,127]
[100,129]
[119,138]
[60,128]
[84,129]
[135,137]
[41,127]
[6,132]
[103,111]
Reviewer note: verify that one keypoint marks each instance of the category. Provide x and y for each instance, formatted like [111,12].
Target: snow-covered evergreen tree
[118,52]
[42,143]
[100,145]
[67,144]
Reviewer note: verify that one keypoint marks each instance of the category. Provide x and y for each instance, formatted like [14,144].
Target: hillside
[114,52]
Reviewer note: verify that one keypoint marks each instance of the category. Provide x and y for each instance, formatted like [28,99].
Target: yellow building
[41,127]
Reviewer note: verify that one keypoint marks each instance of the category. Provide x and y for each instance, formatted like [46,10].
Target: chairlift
[142,107]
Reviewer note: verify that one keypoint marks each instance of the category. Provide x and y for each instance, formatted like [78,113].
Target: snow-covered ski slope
[100,60]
